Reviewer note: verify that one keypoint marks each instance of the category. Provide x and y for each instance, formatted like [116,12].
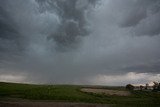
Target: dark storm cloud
[142,15]
[72,15]
[75,41]
[41,28]
[10,39]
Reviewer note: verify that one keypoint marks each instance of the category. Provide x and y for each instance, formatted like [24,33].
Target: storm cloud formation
[79,41]
[72,17]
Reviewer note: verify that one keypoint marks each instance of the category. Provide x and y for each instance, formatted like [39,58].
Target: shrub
[129,87]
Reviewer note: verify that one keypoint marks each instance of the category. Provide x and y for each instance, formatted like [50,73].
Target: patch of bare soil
[106,92]
[49,104]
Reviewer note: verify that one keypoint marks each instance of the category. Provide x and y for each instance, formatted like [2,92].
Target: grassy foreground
[72,93]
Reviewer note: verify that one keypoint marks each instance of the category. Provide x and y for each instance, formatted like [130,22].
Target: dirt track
[49,104]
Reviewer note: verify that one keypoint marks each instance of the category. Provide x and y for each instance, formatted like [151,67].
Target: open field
[20,93]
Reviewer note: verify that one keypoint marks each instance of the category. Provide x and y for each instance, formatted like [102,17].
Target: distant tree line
[156,87]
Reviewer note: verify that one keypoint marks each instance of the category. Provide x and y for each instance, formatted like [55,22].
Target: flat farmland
[30,95]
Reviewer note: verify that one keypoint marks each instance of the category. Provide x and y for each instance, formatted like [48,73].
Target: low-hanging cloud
[70,41]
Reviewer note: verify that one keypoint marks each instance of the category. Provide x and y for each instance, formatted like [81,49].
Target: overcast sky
[101,42]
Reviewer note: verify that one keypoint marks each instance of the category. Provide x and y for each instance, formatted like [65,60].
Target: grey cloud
[149,26]
[69,41]
[72,15]
[10,40]
[141,15]
[144,67]
[132,12]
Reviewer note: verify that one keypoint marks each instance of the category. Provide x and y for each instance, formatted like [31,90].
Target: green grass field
[72,93]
